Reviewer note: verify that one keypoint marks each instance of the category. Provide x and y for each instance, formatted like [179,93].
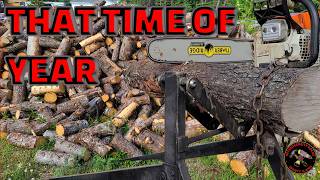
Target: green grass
[18,164]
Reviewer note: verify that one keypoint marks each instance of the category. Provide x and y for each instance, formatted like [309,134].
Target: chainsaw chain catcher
[258,123]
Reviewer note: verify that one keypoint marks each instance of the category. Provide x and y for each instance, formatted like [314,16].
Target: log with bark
[101,130]
[120,143]
[71,127]
[6,84]
[55,158]
[105,63]
[242,162]
[38,90]
[193,127]
[150,141]
[91,142]
[27,127]
[290,97]
[33,47]
[127,48]
[25,141]
[47,42]
[116,49]
[73,104]
[19,94]
[71,148]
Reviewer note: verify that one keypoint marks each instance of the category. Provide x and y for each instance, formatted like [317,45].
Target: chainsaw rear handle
[314,39]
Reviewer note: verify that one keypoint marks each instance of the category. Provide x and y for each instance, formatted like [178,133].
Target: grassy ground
[18,164]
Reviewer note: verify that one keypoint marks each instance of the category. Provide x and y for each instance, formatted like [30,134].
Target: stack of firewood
[33,114]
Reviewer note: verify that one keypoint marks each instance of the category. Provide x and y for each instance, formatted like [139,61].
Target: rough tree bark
[291,97]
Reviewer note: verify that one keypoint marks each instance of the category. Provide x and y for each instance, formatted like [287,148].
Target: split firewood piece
[55,158]
[89,93]
[150,141]
[5,84]
[50,97]
[140,124]
[101,130]
[122,117]
[311,139]
[46,113]
[142,116]
[5,75]
[18,94]
[93,47]
[14,48]
[157,101]
[113,80]
[105,63]
[39,90]
[73,104]
[127,48]
[33,47]
[242,162]
[47,42]
[116,49]
[121,144]
[193,127]
[95,38]
[71,148]
[25,141]
[109,41]
[91,142]
[71,127]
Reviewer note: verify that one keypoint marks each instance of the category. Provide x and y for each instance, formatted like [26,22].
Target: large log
[55,158]
[291,97]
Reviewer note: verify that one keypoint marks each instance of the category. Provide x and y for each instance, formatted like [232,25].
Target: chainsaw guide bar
[181,50]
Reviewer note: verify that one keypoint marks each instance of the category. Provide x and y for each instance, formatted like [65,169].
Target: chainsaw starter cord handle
[314,39]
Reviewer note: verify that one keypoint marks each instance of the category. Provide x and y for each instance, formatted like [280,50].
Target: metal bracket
[178,92]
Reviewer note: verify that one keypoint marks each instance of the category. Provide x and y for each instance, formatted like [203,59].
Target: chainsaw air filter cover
[275,30]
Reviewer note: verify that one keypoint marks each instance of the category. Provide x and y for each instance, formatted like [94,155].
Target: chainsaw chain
[258,123]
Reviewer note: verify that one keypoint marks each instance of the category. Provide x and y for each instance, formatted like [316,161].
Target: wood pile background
[31,115]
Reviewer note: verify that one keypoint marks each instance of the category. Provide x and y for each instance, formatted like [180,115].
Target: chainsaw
[281,40]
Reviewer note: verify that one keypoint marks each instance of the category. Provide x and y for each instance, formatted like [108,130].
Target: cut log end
[239,167]
[59,130]
[50,97]
[223,158]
